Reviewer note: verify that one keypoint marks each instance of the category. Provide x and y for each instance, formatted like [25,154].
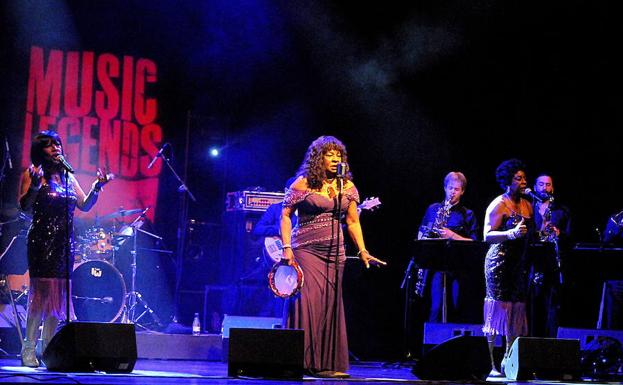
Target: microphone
[158,155]
[8,153]
[64,163]
[342,169]
[534,195]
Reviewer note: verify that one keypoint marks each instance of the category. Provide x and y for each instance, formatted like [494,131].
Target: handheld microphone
[158,155]
[64,163]
[534,195]
[342,169]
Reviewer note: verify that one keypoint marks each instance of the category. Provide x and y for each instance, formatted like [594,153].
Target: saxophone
[548,235]
[434,231]
[441,219]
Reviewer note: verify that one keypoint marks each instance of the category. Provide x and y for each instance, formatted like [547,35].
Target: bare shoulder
[496,205]
[300,184]
[349,184]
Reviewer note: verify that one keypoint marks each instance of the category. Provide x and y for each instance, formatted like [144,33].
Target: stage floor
[172,372]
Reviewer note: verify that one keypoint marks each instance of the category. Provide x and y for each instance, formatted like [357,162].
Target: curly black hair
[506,171]
[312,166]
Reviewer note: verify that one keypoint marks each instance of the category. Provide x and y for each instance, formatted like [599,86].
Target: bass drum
[98,292]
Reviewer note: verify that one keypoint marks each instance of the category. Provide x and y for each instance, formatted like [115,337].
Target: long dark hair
[312,166]
[42,140]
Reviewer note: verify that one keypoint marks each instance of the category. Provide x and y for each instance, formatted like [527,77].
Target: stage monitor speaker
[588,337]
[533,358]
[92,346]
[267,353]
[459,358]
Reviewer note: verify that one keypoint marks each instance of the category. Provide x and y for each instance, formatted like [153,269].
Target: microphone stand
[181,234]
[336,308]
[68,251]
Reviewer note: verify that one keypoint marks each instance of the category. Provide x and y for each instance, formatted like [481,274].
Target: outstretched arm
[356,234]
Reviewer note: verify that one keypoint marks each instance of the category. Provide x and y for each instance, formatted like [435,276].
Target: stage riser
[206,347]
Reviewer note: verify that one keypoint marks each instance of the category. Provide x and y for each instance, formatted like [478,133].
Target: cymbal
[121,213]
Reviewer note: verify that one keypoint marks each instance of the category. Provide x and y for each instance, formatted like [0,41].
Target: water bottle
[196,325]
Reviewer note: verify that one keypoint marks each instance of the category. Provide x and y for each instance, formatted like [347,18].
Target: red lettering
[45,122]
[151,136]
[44,86]
[88,144]
[126,88]
[144,109]
[107,100]
[109,145]
[69,131]
[129,150]
[73,86]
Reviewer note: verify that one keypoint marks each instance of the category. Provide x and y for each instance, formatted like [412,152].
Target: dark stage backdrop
[414,91]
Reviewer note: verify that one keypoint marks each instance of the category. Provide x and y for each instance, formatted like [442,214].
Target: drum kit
[99,290]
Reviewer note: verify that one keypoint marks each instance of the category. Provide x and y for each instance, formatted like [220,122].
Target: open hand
[102,179]
[368,259]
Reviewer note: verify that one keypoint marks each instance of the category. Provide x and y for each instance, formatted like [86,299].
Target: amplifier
[251,200]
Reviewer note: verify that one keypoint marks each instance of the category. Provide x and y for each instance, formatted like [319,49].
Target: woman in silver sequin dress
[316,243]
[507,220]
[52,195]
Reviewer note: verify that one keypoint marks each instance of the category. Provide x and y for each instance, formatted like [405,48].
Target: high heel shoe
[29,358]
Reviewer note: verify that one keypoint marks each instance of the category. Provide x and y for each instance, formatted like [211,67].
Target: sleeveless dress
[50,244]
[318,309]
[506,278]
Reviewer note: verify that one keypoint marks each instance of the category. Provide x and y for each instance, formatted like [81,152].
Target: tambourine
[285,280]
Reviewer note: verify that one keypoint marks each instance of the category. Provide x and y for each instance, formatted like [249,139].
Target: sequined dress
[48,248]
[315,246]
[506,278]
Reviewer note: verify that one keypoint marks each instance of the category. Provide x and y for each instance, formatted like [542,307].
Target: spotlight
[214,152]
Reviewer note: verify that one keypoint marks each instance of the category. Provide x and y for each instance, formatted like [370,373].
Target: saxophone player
[448,220]
[550,217]
[553,224]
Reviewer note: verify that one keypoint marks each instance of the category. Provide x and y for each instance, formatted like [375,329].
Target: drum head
[285,280]
[98,292]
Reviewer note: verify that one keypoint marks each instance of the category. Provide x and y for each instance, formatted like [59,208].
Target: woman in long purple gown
[317,244]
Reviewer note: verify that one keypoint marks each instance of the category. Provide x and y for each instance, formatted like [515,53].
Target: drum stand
[134,298]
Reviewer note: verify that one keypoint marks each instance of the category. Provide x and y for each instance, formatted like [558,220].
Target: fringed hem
[505,318]
[49,296]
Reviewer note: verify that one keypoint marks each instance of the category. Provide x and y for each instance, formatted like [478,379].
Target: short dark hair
[506,171]
[42,140]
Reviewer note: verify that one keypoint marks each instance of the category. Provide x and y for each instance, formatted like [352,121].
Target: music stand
[445,256]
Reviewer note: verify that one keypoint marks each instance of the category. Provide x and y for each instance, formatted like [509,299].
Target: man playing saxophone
[447,220]
[553,225]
